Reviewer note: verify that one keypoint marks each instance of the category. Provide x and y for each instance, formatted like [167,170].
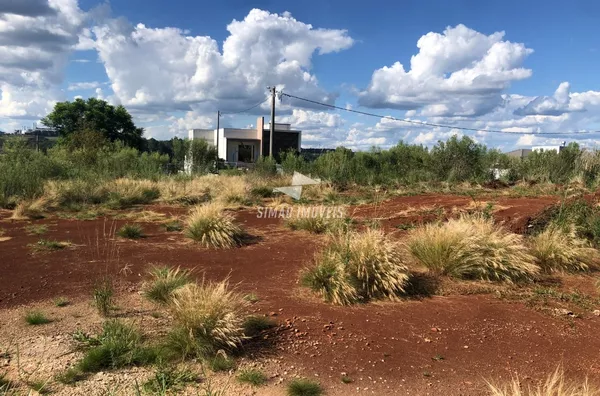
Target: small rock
[596,312]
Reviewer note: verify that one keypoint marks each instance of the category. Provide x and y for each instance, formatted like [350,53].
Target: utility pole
[272,132]
[218,120]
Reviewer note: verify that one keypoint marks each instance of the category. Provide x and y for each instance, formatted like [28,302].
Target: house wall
[207,134]
[548,148]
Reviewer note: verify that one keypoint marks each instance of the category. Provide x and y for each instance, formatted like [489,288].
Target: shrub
[210,226]
[558,250]
[555,385]
[163,281]
[103,296]
[210,313]
[265,167]
[36,318]
[304,387]
[472,248]
[358,266]
[254,325]
[252,376]
[131,231]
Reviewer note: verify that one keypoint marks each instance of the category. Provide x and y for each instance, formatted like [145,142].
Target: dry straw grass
[230,190]
[472,247]
[211,226]
[210,312]
[30,209]
[555,385]
[358,266]
[557,250]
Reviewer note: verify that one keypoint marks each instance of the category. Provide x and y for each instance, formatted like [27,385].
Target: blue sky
[512,66]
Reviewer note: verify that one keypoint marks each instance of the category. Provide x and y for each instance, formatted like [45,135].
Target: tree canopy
[113,123]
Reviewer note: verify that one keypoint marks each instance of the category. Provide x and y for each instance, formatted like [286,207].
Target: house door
[244,153]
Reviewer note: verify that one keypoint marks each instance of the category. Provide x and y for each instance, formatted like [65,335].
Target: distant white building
[248,145]
[557,149]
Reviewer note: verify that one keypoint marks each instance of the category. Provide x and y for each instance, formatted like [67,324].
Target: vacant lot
[450,337]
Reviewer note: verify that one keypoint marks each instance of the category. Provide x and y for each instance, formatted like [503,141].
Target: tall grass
[555,385]
[556,249]
[357,266]
[211,226]
[472,247]
[209,316]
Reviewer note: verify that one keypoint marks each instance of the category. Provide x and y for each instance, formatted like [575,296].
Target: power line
[244,111]
[423,123]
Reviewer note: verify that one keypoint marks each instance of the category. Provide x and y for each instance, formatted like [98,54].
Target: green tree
[114,123]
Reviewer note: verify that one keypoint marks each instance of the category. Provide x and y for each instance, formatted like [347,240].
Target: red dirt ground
[386,348]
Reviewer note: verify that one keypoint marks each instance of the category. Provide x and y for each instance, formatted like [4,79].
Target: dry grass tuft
[358,266]
[211,226]
[30,209]
[210,313]
[558,250]
[555,385]
[472,247]
[231,190]
[317,223]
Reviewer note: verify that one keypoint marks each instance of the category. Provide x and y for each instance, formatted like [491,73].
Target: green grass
[173,226]
[35,318]
[48,245]
[253,377]
[168,379]
[102,296]
[254,325]
[39,229]
[42,387]
[346,380]
[251,298]
[131,231]
[304,387]
[70,376]
[220,363]
[61,302]
[163,281]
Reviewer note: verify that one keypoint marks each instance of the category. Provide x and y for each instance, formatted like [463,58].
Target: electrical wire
[246,110]
[423,123]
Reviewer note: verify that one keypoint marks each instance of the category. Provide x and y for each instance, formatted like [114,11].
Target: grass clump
[557,249]
[35,318]
[102,295]
[220,362]
[163,281]
[209,316]
[254,325]
[317,224]
[357,267]
[39,229]
[555,385]
[173,226]
[304,387]
[119,345]
[253,377]
[168,378]
[472,248]
[61,302]
[48,245]
[210,226]
[131,231]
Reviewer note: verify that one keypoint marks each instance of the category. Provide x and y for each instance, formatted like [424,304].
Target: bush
[304,387]
[131,231]
[163,281]
[36,318]
[265,167]
[472,248]
[358,266]
[210,226]
[558,250]
[211,314]
[103,296]
[555,385]
[252,376]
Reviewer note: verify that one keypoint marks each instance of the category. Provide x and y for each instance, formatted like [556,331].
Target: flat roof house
[248,145]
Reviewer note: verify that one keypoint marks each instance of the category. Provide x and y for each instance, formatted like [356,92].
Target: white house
[247,145]
[558,149]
